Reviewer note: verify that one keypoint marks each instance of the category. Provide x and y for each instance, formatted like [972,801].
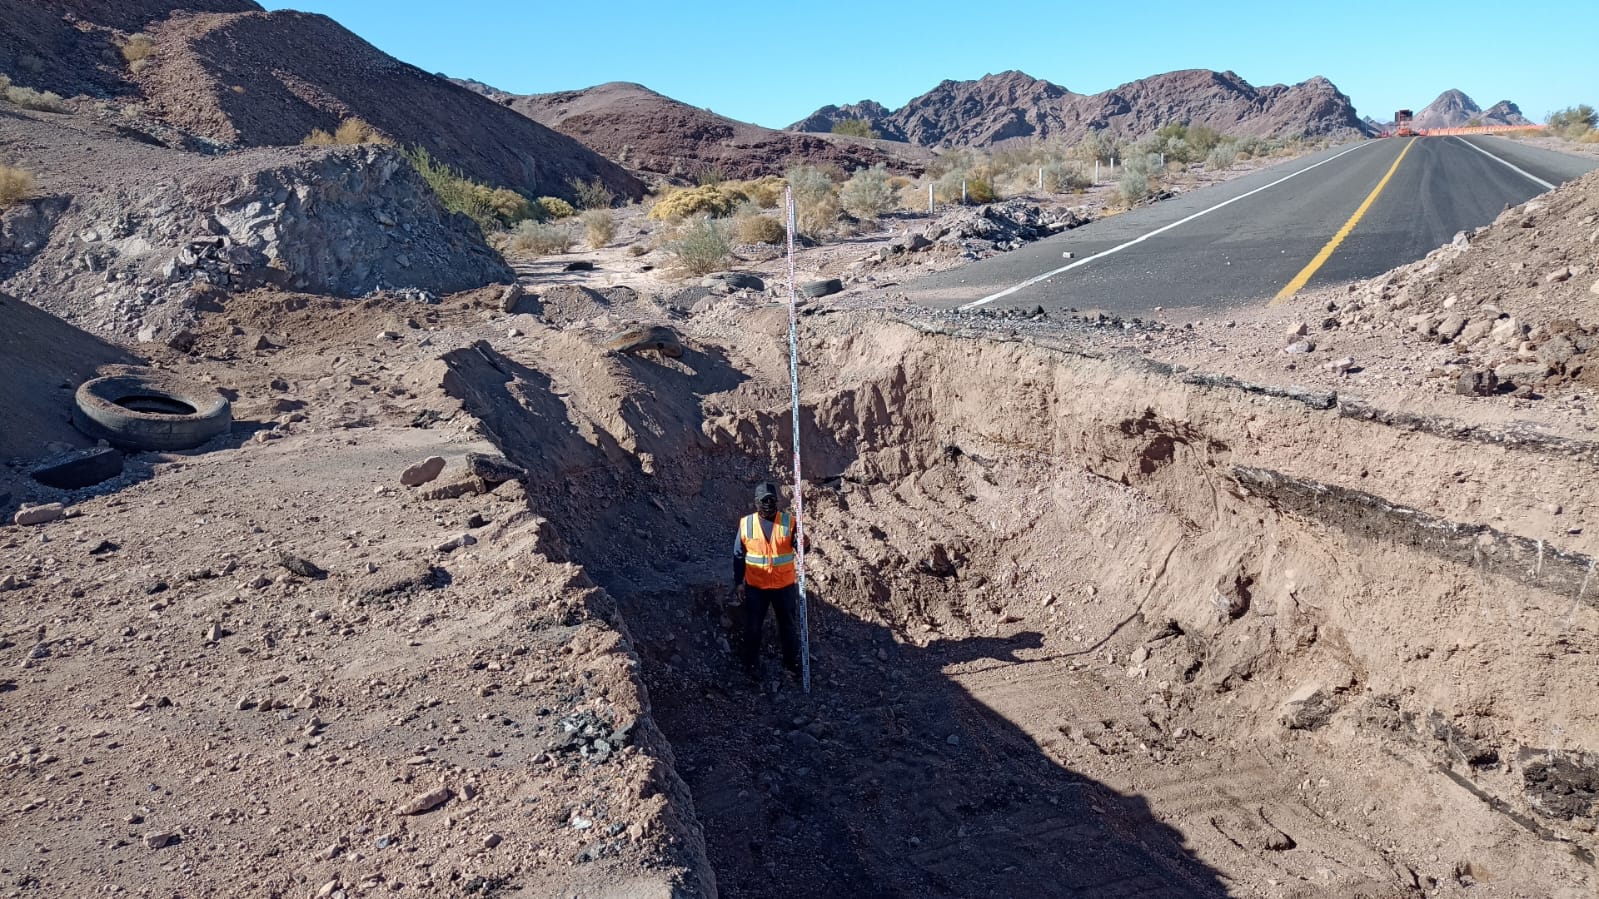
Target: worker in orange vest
[763,570]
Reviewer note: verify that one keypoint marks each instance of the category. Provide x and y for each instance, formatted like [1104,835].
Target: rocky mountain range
[657,135]
[1013,106]
[1453,109]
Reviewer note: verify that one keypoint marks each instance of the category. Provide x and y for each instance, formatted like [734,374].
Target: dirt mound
[156,234]
[72,47]
[650,133]
[246,79]
[1015,106]
[1518,298]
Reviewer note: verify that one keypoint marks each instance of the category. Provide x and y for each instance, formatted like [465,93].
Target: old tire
[150,411]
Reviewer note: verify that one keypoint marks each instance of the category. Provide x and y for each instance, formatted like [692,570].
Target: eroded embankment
[1085,625]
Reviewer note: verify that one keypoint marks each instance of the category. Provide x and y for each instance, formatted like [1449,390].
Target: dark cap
[765,489]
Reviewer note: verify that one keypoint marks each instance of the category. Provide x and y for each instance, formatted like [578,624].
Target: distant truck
[1402,126]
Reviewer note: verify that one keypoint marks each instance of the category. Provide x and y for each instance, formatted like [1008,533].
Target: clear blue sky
[775,63]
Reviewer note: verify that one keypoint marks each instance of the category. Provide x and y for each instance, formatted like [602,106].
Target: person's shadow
[889,779]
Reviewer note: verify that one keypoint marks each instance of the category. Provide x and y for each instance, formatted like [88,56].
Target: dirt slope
[248,79]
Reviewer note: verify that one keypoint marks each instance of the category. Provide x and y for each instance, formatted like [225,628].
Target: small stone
[159,839]
[1140,655]
[328,888]
[513,332]
[1300,347]
[306,700]
[32,515]
[426,802]
[492,840]
[953,739]
[1340,366]
[302,567]
[214,633]
[422,472]
[1560,274]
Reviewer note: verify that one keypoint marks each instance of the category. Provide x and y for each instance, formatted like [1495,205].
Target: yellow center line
[1294,286]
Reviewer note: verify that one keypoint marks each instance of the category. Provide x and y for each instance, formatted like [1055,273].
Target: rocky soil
[1099,607]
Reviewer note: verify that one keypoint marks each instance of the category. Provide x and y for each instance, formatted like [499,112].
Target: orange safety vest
[768,565]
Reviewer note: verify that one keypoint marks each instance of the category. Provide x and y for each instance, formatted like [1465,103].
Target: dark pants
[785,601]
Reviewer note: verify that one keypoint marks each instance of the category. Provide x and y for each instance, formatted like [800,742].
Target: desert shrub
[855,128]
[556,208]
[454,191]
[637,249]
[350,132]
[540,238]
[507,205]
[137,50]
[1222,156]
[1573,122]
[39,101]
[599,225]
[816,205]
[701,246]
[592,194]
[1060,177]
[766,192]
[978,188]
[760,229]
[16,185]
[1133,186]
[1097,146]
[869,193]
[707,199]
[710,176]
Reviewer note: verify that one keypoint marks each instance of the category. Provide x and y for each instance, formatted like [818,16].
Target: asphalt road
[1268,233]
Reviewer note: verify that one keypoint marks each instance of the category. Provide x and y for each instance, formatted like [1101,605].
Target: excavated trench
[1088,627]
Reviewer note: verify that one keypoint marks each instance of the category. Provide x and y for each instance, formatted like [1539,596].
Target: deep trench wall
[1495,661]
[1449,659]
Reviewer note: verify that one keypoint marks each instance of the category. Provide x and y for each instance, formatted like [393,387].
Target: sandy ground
[1069,639]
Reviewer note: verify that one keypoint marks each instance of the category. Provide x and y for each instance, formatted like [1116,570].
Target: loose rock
[422,472]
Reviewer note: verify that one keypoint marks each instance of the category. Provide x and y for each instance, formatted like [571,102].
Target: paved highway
[1346,213]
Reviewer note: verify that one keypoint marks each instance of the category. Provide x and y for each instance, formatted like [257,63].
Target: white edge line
[1512,166]
[1117,249]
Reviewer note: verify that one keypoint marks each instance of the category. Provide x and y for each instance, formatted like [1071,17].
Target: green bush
[1133,186]
[39,101]
[1574,122]
[1222,156]
[978,189]
[599,225]
[556,208]
[16,185]
[816,205]
[869,193]
[765,192]
[540,239]
[702,246]
[1060,177]
[455,192]
[683,202]
[856,128]
[592,194]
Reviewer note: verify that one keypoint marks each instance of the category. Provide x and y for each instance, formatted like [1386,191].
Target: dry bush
[592,194]
[816,206]
[39,101]
[706,199]
[599,225]
[637,249]
[701,246]
[760,229]
[350,132]
[16,185]
[1134,186]
[766,192]
[137,50]
[539,239]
